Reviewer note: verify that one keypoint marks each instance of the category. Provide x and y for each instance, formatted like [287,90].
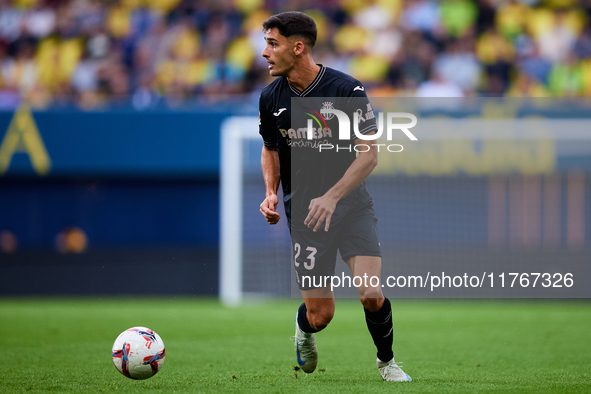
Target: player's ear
[299,48]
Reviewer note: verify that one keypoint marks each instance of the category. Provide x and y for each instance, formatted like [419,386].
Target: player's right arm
[271,176]
[269,163]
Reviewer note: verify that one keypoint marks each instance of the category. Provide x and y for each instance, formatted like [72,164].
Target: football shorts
[314,254]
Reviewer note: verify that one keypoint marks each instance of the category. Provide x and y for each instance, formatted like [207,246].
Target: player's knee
[319,319]
[372,302]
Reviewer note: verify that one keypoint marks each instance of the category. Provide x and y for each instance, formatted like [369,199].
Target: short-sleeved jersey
[306,171]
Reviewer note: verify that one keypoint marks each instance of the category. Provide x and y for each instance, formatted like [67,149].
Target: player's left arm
[322,208]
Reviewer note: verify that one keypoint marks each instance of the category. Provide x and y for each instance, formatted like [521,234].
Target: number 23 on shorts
[310,260]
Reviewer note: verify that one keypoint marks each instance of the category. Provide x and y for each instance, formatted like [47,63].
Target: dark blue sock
[303,320]
[380,327]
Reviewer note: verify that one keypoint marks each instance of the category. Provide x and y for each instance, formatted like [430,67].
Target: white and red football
[138,353]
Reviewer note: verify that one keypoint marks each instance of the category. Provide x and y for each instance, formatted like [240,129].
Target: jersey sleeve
[359,103]
[267,128]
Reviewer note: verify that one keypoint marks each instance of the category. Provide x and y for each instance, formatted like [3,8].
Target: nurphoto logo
[328,112]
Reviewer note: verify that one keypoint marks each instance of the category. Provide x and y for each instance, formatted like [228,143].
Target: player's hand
[320,211]
[268,209]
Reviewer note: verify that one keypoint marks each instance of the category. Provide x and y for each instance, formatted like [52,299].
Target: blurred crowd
[149,53]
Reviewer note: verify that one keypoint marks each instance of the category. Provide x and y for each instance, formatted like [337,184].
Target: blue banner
[106,144]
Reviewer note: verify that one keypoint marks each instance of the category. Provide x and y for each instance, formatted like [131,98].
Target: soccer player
[328,207]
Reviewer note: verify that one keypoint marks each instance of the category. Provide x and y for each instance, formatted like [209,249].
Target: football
[138,353]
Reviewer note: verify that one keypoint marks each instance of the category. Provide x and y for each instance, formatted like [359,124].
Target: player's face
[279,53]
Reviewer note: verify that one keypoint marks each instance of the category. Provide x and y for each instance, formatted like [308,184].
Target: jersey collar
[310,87]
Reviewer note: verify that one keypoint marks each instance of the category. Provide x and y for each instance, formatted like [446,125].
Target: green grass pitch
[64,345]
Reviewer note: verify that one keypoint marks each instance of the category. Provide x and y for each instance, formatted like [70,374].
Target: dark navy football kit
[313,161]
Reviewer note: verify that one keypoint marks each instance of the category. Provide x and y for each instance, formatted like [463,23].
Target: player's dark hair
[293,23]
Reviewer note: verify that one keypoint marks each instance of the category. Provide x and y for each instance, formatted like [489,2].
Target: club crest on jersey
[325,114]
